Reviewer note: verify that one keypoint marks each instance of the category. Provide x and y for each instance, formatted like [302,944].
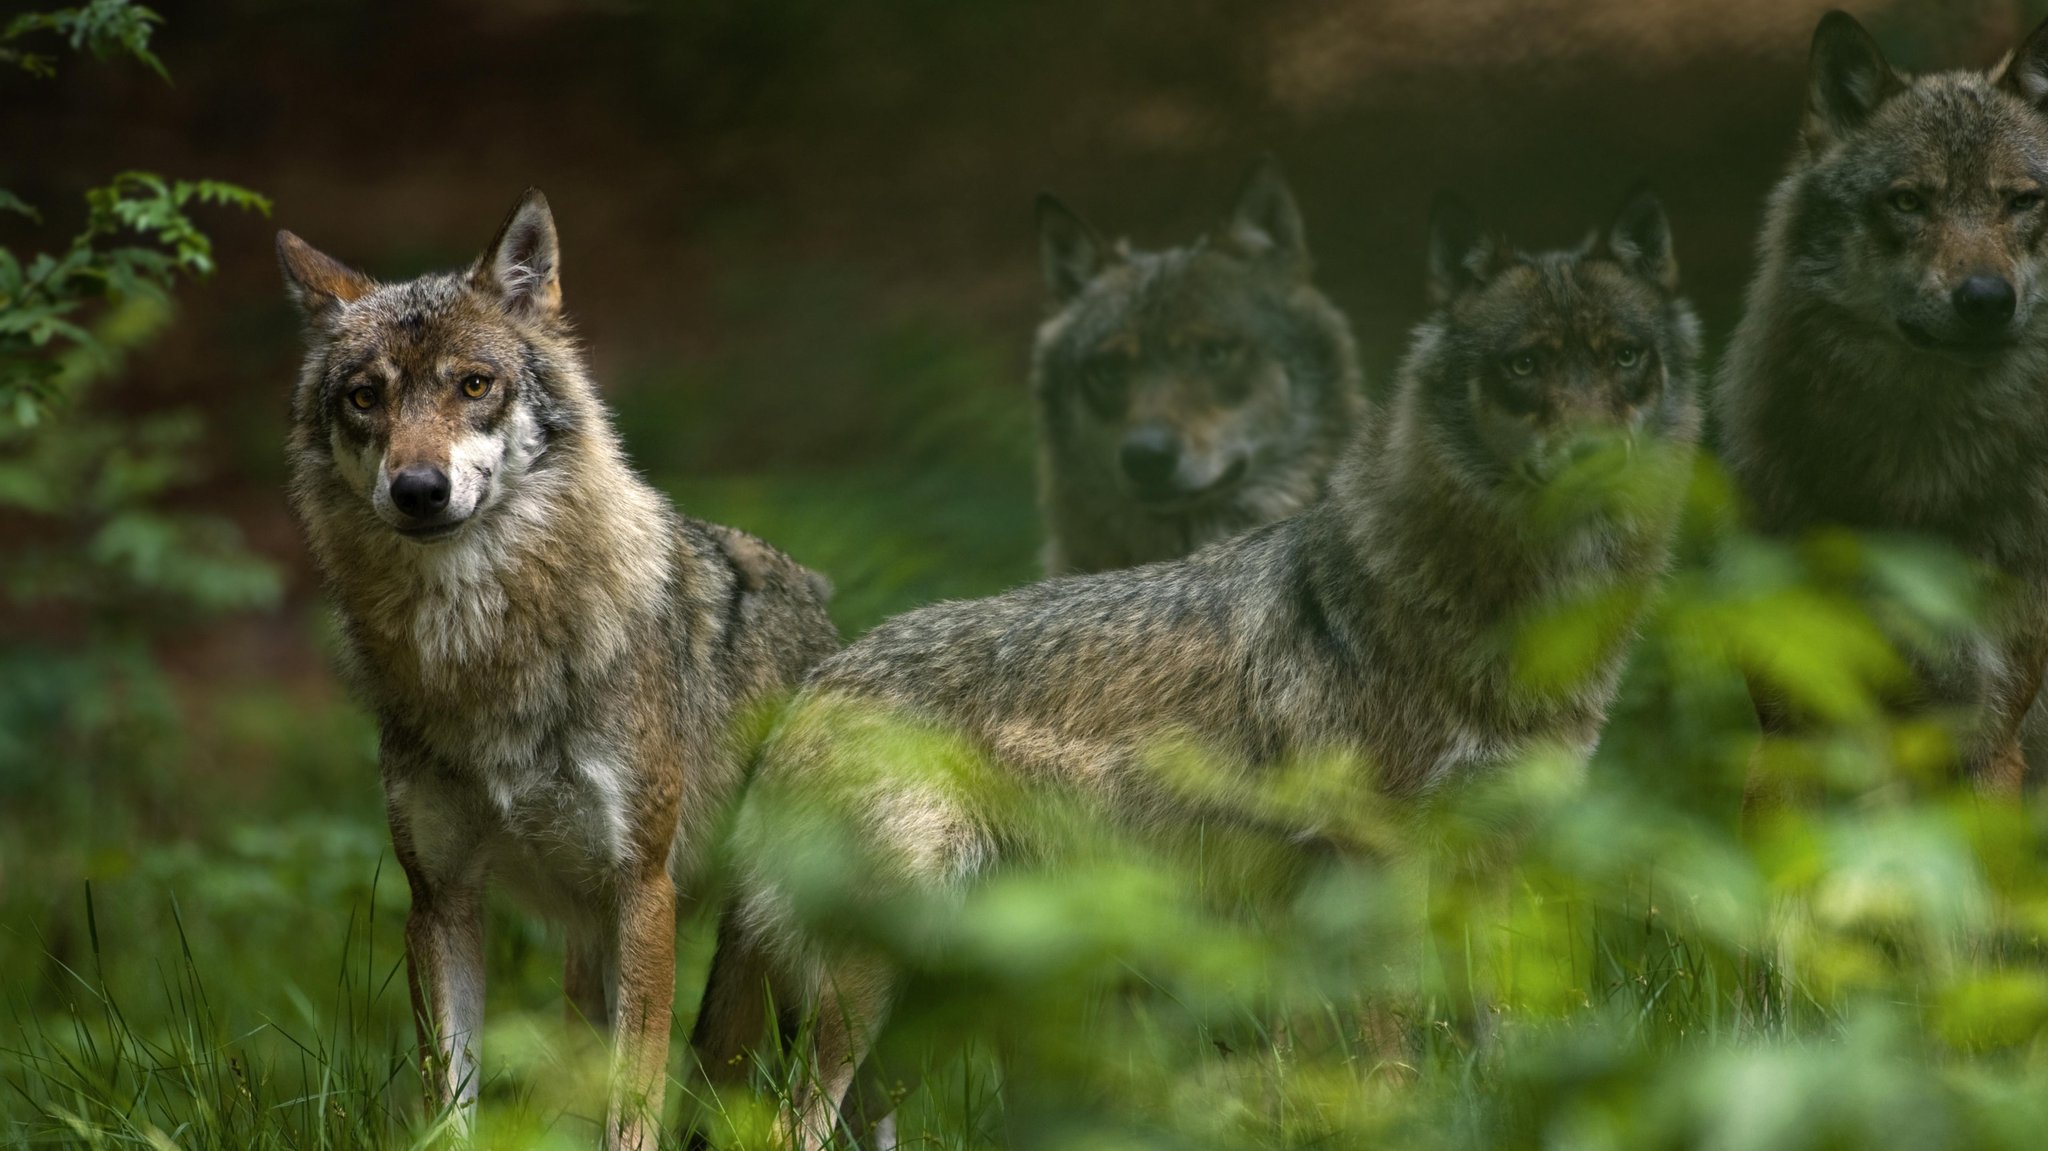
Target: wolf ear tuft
[523,265]
[1069,251]
[1461,253]
[1266,222]
[2025,72]
[316,281]
[1640,239]
[1847,78]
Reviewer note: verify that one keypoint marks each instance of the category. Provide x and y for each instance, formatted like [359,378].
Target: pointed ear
[1640,239]
[316,281]
[1266,223]
[1462,255]
[1846,77]
[523,265]
[1070,251]
[2025,72]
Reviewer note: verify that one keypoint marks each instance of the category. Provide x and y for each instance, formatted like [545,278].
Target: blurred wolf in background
[1890,372]
[1535,457]
[1184,395]
[554,656]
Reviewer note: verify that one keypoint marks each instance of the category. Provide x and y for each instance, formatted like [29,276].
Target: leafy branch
[105,28]
[40,300]
[45,341]
[86,493]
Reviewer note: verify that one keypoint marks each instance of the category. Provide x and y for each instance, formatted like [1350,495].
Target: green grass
[200,920]
[1125,1007]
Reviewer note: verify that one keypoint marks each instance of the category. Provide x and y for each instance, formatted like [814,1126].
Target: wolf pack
[577,688]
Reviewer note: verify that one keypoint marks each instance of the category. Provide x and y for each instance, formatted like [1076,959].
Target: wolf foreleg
[647,985]
[444,950]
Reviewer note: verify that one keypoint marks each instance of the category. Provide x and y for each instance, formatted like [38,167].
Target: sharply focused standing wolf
[1890,372]
[1534,456]
[554,656]
[1184,395]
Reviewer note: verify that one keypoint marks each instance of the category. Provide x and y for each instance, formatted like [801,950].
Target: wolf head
[435,398]
[1919,211]
[1176,380]
[1537,364]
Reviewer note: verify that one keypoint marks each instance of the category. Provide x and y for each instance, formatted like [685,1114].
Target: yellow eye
[1905,201]
[1522,365]
[476,385]
[2024,201]
[1627,356]
[363,398]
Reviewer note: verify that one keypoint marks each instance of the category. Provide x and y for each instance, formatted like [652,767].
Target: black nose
[1150,455]
[1985,301]
[420,490]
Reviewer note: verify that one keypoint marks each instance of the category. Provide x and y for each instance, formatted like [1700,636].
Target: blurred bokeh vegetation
[797,238]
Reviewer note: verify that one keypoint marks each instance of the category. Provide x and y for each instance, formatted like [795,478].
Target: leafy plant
[103,27]
[46,351]
[100,561]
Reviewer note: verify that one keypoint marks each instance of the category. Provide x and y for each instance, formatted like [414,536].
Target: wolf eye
[2023,202]
[1521,364]
[1628,356]
[363,398]
[1905,201]
[476,385]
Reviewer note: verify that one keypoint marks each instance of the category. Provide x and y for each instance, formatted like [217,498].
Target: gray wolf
[555,657]
[1890,371]
[1184,395]
[1535,455]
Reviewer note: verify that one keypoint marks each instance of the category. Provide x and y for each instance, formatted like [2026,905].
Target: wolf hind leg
[852,1002]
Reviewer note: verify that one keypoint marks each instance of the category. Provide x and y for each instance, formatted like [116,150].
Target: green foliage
[87,487]
[46,351]
[106,28]
[66,320]
[102,564]
[1595,956]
